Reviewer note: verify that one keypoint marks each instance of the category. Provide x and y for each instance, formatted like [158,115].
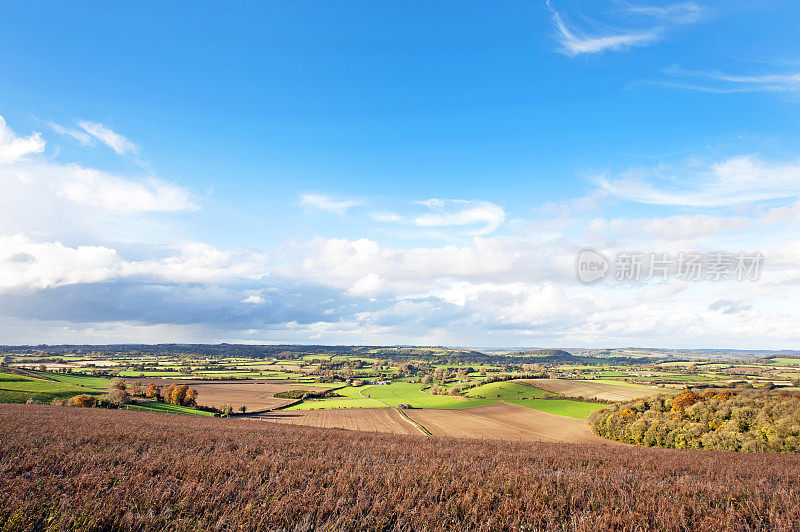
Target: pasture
[18,389]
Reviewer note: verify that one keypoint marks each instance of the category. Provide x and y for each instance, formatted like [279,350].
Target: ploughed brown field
[91,469]
[593,390]
[254,396]
[505,422]
[364,419]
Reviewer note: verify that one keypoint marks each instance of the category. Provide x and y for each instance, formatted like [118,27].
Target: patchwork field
[595,390]
[504,422]
[363,419]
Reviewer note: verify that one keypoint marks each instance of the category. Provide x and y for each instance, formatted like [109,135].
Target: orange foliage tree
[180,394]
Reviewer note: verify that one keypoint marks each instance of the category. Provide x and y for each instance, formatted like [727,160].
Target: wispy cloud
[460,213]
[721,82]
[575,41]
[88,132]
[478,217]
[322,202]
[112,139]
[734,181]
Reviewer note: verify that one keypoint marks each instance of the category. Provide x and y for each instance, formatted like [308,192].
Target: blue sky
[359,172]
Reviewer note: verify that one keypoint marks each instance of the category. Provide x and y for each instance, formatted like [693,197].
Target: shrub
[82,401]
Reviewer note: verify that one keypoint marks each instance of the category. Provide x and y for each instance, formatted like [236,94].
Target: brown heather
[90,469]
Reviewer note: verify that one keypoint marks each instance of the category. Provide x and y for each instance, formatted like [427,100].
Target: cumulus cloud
[14,148]
[28,264]
[325,203]
[20,169]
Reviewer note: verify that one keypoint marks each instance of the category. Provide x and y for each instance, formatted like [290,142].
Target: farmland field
[595,390]
[363,419]
[504,422]
[253,396]
[517,393]
[18,389]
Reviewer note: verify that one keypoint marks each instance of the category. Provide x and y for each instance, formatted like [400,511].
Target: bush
[82,401]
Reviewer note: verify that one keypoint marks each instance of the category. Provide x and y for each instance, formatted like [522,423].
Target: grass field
[351,398]
[519,394]
[18,389]
[411,393]
[155,406]
[76,379]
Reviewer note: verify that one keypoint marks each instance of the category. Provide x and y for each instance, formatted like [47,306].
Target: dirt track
[363,419]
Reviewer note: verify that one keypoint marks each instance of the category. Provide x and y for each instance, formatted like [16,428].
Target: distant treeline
[433,355]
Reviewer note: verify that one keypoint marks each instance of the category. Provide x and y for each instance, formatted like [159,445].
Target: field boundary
[403,415]
[418,425]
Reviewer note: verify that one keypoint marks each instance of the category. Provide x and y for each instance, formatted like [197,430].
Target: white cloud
[20,169]
[81,136]
[461,213]
[254,299]
[14,148]
[112,139]
[27,264]
[325,203]
[574,41]
[734,181]
[680,227]
[684,13]
[723,83]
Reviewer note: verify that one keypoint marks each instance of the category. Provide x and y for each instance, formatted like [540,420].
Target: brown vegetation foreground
[69,468]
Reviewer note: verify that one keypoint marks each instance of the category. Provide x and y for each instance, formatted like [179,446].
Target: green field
[411,393]
[76,379]
[155,406]
[350,399]
[530,397]
[784,361]
[18,389]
